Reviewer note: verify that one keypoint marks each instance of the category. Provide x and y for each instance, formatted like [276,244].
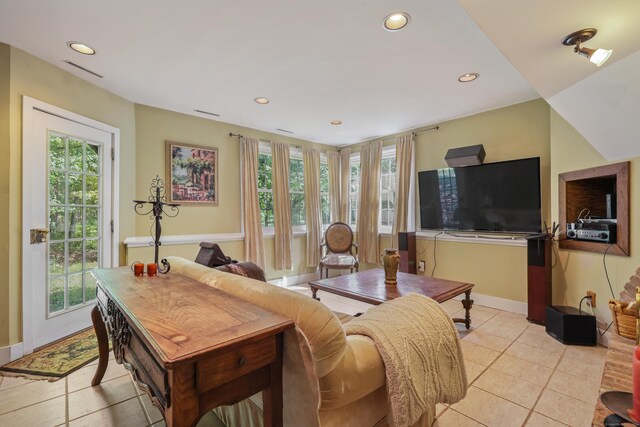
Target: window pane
[326,210]
[297,209]
[57,187]
[93,159]
[91,220]
[75,188]
[92,195]
[385,216]
[56,258]
[324,178]
[264,172]
[56,223]
[75,257]
[75,222]
[296,175]
[57,150]
[89,286]
[392,162]
[266,208]
[75,155]
[75,289]
[91,254]
[385,200]
[56,294]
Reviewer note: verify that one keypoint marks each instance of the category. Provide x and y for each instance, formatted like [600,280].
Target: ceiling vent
[284,130]
[86,70]
[207,113]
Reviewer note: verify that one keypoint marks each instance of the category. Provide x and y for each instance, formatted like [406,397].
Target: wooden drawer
[228,364]
[147,372]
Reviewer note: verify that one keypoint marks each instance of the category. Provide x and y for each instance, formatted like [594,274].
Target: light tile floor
[517,375]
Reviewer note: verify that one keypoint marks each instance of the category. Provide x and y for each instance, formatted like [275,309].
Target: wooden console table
[189,346]
[617,373]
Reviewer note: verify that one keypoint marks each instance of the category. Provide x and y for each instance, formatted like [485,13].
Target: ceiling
[315,61]
[603,104]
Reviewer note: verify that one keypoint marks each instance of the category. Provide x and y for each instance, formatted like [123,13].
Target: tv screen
[494,197]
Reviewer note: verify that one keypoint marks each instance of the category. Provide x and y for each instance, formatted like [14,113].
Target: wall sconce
[597,56]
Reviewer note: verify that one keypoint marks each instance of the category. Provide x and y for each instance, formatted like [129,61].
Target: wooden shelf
[587,189]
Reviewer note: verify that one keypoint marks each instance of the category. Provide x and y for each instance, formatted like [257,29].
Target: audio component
[606,236]
[593,230]
[407,251]
[465,156]
[538,278]
[569,326]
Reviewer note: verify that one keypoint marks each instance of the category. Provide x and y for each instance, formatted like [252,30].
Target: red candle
[634,413]
[152,269]
[138,269]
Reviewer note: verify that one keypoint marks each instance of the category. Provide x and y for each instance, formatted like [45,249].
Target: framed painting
[191,174]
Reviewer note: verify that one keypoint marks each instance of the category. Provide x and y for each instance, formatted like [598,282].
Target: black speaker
[407,251]
[568,326]
[465,156]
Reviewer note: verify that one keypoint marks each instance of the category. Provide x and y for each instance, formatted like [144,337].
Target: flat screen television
[494,197]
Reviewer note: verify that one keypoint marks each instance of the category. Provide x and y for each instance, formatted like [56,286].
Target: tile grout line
[102,409]
[66,400]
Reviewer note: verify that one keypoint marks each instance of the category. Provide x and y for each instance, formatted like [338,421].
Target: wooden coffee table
[368,286]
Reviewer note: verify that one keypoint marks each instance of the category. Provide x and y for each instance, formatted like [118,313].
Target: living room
[538,122]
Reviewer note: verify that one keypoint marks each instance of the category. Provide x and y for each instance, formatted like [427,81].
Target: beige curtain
[281,206]
[253,242]
[345,184]
[311,161]
[404,211]
[335,198]
[367,227]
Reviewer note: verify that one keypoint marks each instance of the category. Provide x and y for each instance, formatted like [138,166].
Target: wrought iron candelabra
[158,201]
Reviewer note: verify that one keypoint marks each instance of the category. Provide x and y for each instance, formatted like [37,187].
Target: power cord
[435,242]
[604,262]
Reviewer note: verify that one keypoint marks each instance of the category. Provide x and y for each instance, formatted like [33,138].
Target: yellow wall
[579,271]
[514,132]
[5,53]
[154,126]
[40,80]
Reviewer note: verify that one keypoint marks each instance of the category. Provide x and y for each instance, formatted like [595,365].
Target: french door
[67,223]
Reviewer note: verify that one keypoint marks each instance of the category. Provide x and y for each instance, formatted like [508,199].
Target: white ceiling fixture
[261,100]
[469,77]
[396,21]
[81,48]
[336,122]
[596,56]
[315,62]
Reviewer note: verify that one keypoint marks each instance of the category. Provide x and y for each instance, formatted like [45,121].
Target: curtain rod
[231,134]
[436,127]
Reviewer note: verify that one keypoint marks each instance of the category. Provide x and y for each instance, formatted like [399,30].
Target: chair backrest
[338,237]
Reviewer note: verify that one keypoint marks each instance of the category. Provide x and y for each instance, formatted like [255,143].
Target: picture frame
[191,174]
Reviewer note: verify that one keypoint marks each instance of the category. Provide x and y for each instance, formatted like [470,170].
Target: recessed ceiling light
[81,48]
[336,122]
[261,100]
[469,77]
[396,21]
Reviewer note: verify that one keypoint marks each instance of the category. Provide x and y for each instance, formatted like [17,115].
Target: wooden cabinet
[587,189]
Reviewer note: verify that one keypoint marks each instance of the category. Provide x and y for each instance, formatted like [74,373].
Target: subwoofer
[407,251]
[571,326]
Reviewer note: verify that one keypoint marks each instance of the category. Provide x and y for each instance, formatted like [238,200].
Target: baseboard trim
[497,303]
[10,353]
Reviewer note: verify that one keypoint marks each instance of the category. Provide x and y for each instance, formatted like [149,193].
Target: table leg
[314,291]
[272,396]
[467,303]
[103,345]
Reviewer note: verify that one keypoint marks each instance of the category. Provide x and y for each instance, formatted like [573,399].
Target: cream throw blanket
[421,352]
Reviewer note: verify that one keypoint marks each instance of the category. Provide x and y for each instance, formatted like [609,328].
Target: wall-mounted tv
[494,197]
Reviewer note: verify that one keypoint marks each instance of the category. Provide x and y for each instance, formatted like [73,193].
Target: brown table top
[368,286]
[181,318]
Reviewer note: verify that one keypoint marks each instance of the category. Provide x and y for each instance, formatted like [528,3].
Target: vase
[390,262]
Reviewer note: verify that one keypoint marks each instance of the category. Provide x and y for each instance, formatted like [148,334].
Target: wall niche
[587,189]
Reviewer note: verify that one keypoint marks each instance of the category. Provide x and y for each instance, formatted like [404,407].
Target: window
[296,192]
[387,188]
[354,187]
[265,195]
[324,194]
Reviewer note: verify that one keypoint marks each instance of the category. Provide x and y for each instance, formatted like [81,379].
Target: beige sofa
[329,379]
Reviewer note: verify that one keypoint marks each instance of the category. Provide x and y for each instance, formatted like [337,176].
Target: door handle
[39,235]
